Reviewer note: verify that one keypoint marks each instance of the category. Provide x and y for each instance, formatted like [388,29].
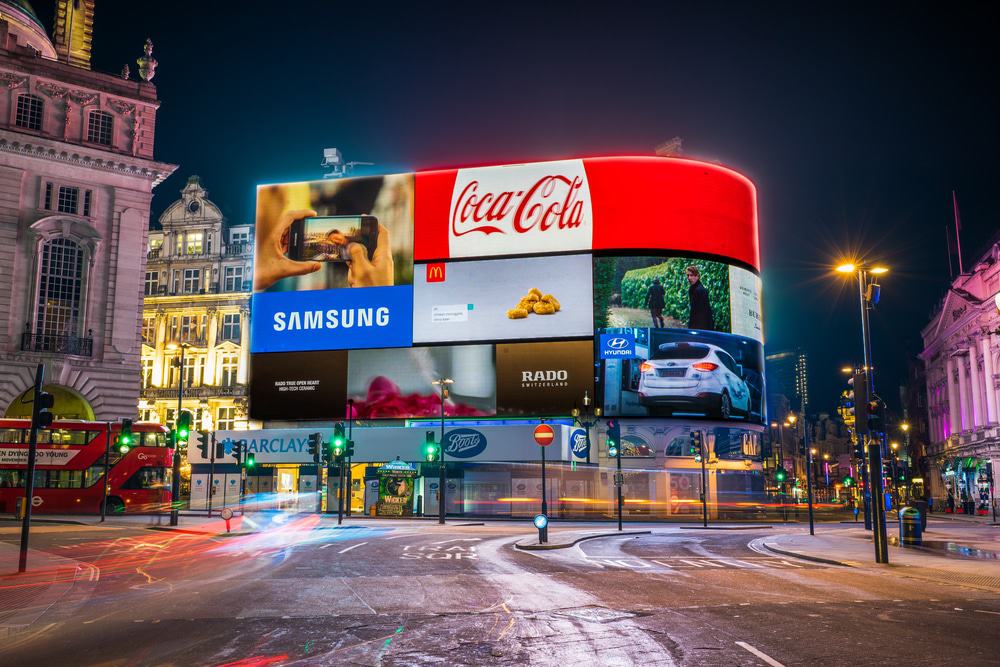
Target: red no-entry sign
[544,435]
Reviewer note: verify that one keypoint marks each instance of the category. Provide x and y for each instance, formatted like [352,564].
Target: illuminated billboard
[369,286]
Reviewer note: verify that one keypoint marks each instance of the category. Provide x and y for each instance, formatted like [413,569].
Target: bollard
[910,532]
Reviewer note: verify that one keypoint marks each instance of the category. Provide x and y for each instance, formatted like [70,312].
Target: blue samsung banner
[617,346]
[333,319]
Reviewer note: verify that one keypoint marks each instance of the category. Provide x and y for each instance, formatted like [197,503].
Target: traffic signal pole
[175,481]
[880,538]
[29,483]
[441,467]
[107,467]
[704,485]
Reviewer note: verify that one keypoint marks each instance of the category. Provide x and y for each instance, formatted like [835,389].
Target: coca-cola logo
[551,202]
[464,443]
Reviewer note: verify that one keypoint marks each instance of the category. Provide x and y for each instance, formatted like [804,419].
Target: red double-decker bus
[69,468]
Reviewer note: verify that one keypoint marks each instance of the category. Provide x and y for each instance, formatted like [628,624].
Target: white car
[694,377]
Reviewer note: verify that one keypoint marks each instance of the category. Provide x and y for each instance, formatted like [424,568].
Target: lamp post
[175,482]
[583,419]
[868,296]
[443,383]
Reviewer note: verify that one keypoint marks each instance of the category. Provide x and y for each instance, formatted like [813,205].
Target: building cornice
[53,150]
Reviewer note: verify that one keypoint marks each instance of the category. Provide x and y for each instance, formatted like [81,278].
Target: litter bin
[921,506]
[20,508]
[910,532]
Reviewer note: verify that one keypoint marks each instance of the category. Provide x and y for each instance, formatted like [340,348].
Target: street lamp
[583,419]
[444,383]
[869,292]
[175,482]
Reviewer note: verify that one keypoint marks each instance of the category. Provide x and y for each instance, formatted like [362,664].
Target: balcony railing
[58,344]
[200,391]
[237,249]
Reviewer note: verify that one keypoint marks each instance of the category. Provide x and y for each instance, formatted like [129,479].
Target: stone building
[961,357]
[197,299]
[76,178]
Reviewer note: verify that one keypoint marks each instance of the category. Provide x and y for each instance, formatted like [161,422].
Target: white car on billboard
[694,377]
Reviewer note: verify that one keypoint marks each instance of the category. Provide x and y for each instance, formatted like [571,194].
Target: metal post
[543,534]
[107,465]
[809,470]
[340,491]
[619,482]
[441,467]
[211,473]
[704,485]
[877,501]
[350,438]
[175,483]
[29,482]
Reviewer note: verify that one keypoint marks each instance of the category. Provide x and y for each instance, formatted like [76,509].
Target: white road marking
[760,654]
[460,539]
[692,563]
[353,546]
[983,611]
[327,545]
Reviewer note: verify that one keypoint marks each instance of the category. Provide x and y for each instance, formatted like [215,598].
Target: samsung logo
[343,318]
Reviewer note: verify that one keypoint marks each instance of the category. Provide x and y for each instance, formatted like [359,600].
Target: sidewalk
[563,539]
[24,597]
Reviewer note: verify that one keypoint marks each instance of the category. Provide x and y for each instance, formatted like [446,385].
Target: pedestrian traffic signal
[431,452]
[339,444]
[182,426]
[316,446]
[848,481]
[41,417]
[874,416]
[696,446]
[613,435]
[780,475]
[125,437]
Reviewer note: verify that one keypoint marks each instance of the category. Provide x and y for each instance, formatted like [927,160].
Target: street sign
[544,435]
[36,501]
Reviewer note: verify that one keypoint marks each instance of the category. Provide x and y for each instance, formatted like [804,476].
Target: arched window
[29,112]
[99,128]
[60,290]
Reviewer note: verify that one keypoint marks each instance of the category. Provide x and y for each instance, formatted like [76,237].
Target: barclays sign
[464,443]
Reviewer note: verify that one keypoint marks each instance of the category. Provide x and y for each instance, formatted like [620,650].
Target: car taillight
[705,366]
[645,367]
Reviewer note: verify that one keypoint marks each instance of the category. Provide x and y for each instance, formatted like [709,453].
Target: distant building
[787,374]
[76,180]
[961,357]
[197,297]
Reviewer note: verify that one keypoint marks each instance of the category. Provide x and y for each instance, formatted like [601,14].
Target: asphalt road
[304,592]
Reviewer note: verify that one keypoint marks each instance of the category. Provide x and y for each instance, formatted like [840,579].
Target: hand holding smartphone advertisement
[272,262]
[327,238]
[376,272]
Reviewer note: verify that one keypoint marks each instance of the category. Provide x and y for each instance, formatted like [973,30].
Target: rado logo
[550,378]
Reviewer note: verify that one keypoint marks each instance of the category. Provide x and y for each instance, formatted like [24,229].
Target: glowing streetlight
[904,427]
[847,370]
[846,267]
[792,418]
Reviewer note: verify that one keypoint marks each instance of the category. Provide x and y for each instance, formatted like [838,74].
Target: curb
[801,556]
[549,547]
[67,522]
[726,527]
[168,529]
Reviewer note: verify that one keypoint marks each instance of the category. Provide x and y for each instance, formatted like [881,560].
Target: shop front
[968,482]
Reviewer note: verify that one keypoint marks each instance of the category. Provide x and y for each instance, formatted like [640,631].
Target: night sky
[855,123]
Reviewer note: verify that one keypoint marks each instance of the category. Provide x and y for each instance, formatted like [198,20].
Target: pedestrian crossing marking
[695,562]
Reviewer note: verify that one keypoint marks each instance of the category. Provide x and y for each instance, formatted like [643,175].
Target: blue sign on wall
[333,319]
[617,346]
[464,443]
[579,444]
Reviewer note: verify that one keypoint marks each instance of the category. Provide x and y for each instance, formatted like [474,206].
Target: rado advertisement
[543,378]
[298,385]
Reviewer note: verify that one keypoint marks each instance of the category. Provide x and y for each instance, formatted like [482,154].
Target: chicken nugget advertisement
[504,299]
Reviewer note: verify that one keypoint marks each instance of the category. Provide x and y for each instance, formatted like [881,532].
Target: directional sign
[544,435]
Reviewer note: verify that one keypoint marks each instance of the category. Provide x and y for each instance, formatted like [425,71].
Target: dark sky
[854,122]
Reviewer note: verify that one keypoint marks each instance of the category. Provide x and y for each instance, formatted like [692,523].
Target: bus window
[154,439]
[11,436]
[10,479]
[65,479]
[93,474]
[61,436]
[147,478]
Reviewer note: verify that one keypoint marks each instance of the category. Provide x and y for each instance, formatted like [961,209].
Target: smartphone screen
[326,238]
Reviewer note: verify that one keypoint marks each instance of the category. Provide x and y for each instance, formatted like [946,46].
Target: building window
[149,330]
[99,128]
[69,199]
[192,371]
[88,196]
[231,326]
[147,373]
[240,236]
[234,278]
[230,367]
[152,282]
[60,287]
[187,328]
[225,418]
[194,243]
[48,197]
[29,112]
[192,280]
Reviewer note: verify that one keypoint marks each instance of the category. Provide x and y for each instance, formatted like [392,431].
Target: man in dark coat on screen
[655,301]
[701,310]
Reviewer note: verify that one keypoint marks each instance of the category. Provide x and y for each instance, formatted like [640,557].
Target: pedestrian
[700,316]
[930,504]
[655,301]
[951,503]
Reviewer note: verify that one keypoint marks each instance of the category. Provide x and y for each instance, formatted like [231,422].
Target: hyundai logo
[618,343]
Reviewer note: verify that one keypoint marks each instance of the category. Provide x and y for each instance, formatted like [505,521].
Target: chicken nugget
[544,308]
[548,298]
[517,313]
[531,297]
[525,303]
[537,292]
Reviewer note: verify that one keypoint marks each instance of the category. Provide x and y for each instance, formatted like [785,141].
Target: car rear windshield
[672,351]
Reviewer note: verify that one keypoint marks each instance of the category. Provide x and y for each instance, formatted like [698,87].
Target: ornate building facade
[197,299]
[76,179]
[962,357]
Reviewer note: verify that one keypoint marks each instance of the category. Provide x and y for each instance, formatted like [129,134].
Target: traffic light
[251,461]
[696,446]
[316,446]
[183,426]
[125,437]
[848,481]
[780,475]
[859,450]
[613,435]
[349,450]
[859,395]
[431,452]
[41,417]
[874,416]
[339,444]
[239,448]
